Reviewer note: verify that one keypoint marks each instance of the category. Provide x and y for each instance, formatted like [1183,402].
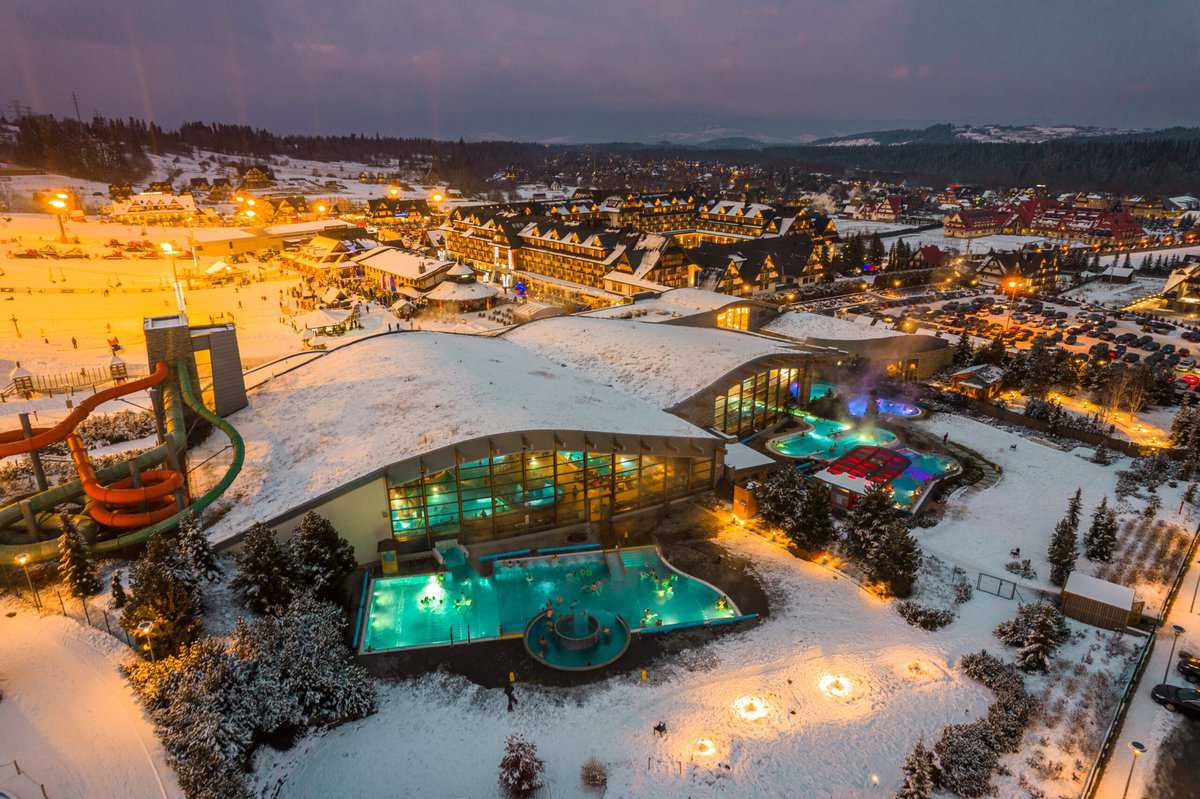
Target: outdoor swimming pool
[858,403]
[924,469]
[437,609]
[827,440]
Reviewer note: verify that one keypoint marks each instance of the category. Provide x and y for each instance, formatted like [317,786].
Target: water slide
[112,481]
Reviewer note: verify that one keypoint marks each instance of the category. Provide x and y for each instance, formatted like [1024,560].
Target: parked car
[1177,699]
[1131,357]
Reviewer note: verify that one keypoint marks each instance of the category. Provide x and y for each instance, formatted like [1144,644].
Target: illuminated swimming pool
[858,403]
[463,606]
[827,439]
[925,468]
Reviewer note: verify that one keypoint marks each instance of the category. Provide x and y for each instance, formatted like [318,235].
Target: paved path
[1146,721]
[69,718]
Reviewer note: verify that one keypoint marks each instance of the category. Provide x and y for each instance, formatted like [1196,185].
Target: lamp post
[1194,592]
[169,249]
[23,560]
[144,630]
[1013,285]
[59,204]
[1175,628]
[1138,748]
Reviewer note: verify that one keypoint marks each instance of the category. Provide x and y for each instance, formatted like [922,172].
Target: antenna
[75,100]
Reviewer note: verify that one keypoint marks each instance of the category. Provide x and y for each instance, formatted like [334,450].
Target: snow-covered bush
[593,773]
[520,768]
[264,571]
[321,558]
[164,596]
[103,429]
[926,618]
[966,758]
[920,771]
[1016,631]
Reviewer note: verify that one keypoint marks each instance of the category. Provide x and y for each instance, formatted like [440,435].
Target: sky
[607,70]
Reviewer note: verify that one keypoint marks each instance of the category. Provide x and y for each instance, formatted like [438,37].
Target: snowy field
[68,716]
[854,227]
[983,244]
[445,735]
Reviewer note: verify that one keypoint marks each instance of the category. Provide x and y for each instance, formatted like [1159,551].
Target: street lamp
[59,204]
[23,560]
[144,629]
[1175,628]
[1138,748]
[169,249]
[1192,609]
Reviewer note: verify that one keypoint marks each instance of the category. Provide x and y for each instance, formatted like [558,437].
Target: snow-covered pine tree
[813,528]
[1101,537]
[1074,509]
[118,591]
[920,773]
[520,768]
[197,548]
[964,352]
[321,557]
[1040,642]
[264,571]
[1062,552]
[1015,631]
[165,595]
[75,564]
[781,498]
[1186,420]
[895,559]
[867,521]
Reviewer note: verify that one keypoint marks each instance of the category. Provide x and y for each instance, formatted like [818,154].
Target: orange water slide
[13,442]
[127,503]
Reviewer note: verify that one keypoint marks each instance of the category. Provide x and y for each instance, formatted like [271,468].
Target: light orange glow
[835,686]
[58,204]
[750,708]
[705,747]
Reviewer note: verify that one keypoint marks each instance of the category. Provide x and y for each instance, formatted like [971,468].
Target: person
[512,699]
[660,729]
[74,343]
[945,438]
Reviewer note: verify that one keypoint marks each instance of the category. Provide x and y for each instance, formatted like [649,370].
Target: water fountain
[576,641]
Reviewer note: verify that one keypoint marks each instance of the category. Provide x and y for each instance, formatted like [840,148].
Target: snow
[662,364]
[1103,591]
[673,304]
[739,456]
[903,683]
[362,407]
[802,324]
[68,716]
[853,227]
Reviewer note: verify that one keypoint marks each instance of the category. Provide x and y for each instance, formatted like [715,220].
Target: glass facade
[756,402]
[523,492]
[735,318]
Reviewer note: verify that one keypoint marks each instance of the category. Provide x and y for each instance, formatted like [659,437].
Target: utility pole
[75,100]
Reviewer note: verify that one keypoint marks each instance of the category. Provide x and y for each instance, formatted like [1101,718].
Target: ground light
[835,685]
[750,708]
[705,747]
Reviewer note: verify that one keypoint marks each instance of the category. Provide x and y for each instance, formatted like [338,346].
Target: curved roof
[461,270]
[448,290]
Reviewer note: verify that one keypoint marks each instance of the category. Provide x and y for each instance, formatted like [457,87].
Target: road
[69,718]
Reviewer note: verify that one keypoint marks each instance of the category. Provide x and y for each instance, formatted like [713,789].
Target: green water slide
[46,500]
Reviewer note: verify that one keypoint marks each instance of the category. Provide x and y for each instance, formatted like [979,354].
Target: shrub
[520,768]
[926,618]
[593,774]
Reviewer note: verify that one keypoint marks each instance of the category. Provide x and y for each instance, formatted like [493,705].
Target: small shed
[743,463]
[1100,602]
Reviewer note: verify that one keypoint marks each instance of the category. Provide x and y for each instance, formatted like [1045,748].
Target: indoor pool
[924,469]
[858,403]
[436,609]
[827,440]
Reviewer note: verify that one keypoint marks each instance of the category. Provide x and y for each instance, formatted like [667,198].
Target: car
[1177,699]
[1071,339]
[1131,357]
[1187,363]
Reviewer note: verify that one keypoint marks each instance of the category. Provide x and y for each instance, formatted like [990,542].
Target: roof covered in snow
[1098,590]
[671,304]
[801,324]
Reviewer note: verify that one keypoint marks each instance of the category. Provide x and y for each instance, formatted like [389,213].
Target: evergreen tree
[895,559]
[814,524]
[264,571]
[867,521]
[196,546]
[1062,553]
[1101,537]
[964,352]
[165,597]
[781,499]
[920,773]
[321,557]
[1074,508]
[1041,641]
[118,591]
[76,567]
[520,768]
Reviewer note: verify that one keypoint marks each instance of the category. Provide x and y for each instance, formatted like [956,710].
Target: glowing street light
[1178,630]
[23,562]
[750,708]
[144,629]
[59,204]
[835,686]
[1138,748]
[437,197]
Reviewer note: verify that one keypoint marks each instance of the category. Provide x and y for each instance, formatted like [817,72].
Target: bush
[593,774]
[924,617]
[520,768]
[1015,631]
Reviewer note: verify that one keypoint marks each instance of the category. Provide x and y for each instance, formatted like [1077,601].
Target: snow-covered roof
[323,317]
[1098,590]
[664,364]
[739,456]
[802,324]
[402,263]
[449,290]
[386,399]
[206,235]
[301,228]
[671,304]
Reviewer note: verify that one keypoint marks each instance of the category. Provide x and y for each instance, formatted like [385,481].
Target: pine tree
[1184,425]
[265,571]
[1074,508]
[1101,537]
[118,591]
[1062,552]
[867,521]
[520,768]
[196,546]
[920,773]
[321,557]
[814,523]
[781,499]
[895,559]
[76,566]
[964,352]
[1041,641]
[165,598]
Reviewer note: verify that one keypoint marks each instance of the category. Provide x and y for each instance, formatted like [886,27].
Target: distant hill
[947,133]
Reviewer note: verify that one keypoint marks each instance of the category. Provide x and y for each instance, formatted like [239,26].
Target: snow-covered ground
[449,734]
[68,717]
[801,324]
[938,238]
[854,227]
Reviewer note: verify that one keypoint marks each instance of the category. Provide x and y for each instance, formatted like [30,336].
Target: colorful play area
[575,607]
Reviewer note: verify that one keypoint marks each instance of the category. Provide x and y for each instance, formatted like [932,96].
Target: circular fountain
[577,641]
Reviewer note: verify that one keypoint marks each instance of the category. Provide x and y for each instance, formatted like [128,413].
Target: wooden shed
[1099,602]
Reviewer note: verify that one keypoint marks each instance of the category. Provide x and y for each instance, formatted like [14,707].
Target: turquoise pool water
[827,439]
[924,469]
[858,404]
[543,644]
[436,609]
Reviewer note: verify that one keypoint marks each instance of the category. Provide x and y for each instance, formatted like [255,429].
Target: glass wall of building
[756,402]
[523,492]
[735,318]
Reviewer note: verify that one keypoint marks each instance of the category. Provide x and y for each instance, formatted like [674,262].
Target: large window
[755,403]
[735,318]
[521,492]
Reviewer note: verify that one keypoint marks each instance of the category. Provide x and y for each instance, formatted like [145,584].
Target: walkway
[68,717]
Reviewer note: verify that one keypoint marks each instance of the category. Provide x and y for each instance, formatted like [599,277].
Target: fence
[50,599]
[1114,729]
[1041,425]
[26,776]
[997,586]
